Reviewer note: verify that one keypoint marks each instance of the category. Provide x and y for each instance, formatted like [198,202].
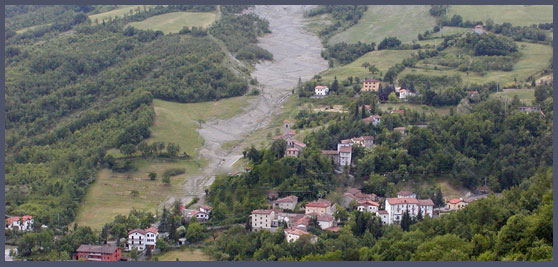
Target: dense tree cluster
[343,16]
[487,44]
[346,53]
[389,42]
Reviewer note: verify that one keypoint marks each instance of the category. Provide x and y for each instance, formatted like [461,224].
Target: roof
[368,203]
[292,149]
[398,111]
[267,212]
[404,193]
[372,117]
[455,201]
[302,220]
[346,141]
[152,230]
[353,190]
[333,228]
[288,199]
[299,143]
[294,231]
[137,230]
[97,249]
[382,212]
[345,149]
[426,202]
[396,201]
[399,128]
[205,207]
[12,220]
[321,217]
[329,152]
[320,203]
[362,195]
[367,137]
[319,87]
[371,81]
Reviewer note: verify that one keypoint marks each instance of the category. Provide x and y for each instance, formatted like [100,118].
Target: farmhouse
[286,203]
[342,156]
[201,214]
[368,206]
[320,206]
[263,219]
[395,208]
[98,253]
[404,93]
[321,90]
[365,141]
[141,239]
[375,119]
[23,223]
[294,147]
[456,204]
[370,85]
[293,234]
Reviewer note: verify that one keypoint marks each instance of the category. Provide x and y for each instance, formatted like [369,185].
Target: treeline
[393,71]
[22,16]
[344,16]
[240,33]
[487,44]
[346,53]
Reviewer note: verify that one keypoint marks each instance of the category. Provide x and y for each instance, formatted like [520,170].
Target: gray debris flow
[296,53]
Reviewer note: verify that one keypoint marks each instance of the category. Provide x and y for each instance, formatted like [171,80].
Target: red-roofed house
[370,85]
[321,90]
[141,239]
[24,223]
[406,194]
[98,253]
[456,204]
[286,203]
[368,206]
[294,147]
[398,111]
[374,119]
[324,220]
[356,195]
[321,206]
[397,206]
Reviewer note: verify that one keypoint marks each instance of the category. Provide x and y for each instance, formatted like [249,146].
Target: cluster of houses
[201,214]
[296,224]
[342,156]
[294,146]
[23,223]
[369,85]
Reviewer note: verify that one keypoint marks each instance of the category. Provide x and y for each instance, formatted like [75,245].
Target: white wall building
[292,235]
[262,219]
[141,239]
[395,208]
[321,90]
[368,206]
[286,203]
[23,223]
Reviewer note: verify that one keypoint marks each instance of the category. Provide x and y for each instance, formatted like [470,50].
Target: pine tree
[363,115]
[163,225]
[335,85]
[406,221]
[355,115]
[419,215]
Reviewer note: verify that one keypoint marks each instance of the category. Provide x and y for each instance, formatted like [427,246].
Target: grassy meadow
[517,15]
[378,22]
[526,95]
[173,22]
[175,122]
[120,11]
[184,254]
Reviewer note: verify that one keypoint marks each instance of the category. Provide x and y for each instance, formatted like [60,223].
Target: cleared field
[31,28]
[383,60]
[184,255]
[378,22]
[526,95]
[110,195]
[535,58]
[415,107]
[118,12]
[175,21]
[517,15]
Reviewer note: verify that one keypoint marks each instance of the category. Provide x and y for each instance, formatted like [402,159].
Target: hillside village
[279,133]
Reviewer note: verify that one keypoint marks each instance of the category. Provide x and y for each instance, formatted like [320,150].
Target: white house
[206,209]
[321,90]
[397,206]
[23,223]
[345,152]
[263,219]
[404,93]
[368,206]
[200,215]
[293,234]
[141,239]
[384,216]
[286,203]
[374,119]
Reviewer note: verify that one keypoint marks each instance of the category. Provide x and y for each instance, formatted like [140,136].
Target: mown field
[173,22]
[378,22]
[120,11]
[534,59]
[383,60]
[183,255]
[518,15]
[526,95]
[110,195]
[415,107]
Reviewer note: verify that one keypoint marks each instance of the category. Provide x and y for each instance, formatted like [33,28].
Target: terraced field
[173,22]
[518,15]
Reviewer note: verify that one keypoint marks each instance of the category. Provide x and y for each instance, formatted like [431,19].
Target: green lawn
[415,107]
[118,12]
[535,58]
[378,22]
[184,255]
[526,95]
[173,22]
[383,60]
[109,195]
[517,15]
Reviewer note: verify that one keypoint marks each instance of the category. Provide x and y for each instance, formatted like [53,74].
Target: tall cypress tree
[163,225]
[406,221]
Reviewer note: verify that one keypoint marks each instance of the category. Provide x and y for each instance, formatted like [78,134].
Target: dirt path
[296,53]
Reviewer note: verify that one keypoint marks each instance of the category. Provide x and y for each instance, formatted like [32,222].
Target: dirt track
[296,53]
